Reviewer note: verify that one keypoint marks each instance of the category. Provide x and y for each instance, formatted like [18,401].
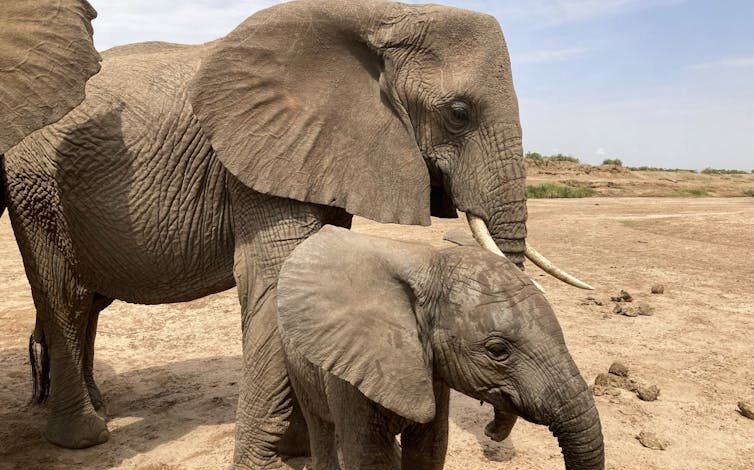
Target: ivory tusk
[546,265]
[482,235]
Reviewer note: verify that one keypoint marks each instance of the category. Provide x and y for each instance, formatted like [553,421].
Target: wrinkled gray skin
[372,351]
[189,169]
[46,57]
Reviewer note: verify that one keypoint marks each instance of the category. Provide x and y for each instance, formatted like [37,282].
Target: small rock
[746,409]
[645,393]
[591,301]
[651,441]
[619,369]
[658,289]
[626,296]
[645,309]
[618,309]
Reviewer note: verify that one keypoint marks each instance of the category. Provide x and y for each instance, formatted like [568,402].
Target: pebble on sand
[651,441]
[658,289]
[746,409]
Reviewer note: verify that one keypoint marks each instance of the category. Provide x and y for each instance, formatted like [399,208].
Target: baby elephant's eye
[497,349]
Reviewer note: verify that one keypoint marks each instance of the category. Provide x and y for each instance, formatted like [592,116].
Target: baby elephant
[376,331]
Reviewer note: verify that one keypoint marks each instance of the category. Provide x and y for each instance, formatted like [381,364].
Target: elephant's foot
[77,432]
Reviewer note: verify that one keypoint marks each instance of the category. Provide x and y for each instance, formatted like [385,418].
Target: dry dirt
[168,373]
[614,181]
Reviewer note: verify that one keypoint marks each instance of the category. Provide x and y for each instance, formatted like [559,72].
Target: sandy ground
[168,373]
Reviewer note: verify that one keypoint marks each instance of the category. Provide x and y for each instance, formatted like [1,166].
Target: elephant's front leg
[267,230]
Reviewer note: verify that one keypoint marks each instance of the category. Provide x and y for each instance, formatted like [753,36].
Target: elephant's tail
[40,369]
[2,184]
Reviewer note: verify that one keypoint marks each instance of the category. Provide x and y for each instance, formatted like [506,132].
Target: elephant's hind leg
[64,308]
[99,303]
[72,422]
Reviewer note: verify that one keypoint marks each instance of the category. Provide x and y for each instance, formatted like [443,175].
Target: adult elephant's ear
[46,57]
[293,105]
[345,306]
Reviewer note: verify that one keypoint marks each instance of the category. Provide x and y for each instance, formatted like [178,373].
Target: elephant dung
[610,380]
[618,369]
[623,297]
[746,409]
[645,309]
[658,289]
[651,441]
[647,393]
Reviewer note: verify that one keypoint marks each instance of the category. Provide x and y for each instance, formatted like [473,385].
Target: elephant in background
[373,351]
[47,55]
[190,169]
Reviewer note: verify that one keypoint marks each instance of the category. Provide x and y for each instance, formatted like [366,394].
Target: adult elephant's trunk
[579,434]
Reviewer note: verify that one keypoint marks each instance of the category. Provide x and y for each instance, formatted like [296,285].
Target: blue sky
[653,82]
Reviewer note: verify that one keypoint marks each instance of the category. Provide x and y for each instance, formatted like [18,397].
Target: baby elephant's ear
[344,304]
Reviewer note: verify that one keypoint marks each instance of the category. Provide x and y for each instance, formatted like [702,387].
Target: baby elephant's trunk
[40,367]
[501,426]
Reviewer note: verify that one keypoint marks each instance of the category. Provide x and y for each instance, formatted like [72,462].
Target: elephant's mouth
[482,235]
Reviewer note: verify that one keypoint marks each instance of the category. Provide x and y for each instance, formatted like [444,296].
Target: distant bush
[613,161]
[652,168]
[538,157]
[718,171]
[557,191]
[748,192]
[698,192]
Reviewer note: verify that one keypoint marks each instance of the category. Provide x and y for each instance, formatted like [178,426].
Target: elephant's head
[393,112]
[46,57]
[390,317]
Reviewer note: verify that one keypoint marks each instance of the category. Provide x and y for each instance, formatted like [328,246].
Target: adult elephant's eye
[497,349]
[459,116]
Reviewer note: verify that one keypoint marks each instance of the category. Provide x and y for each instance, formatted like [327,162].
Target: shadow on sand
[145,409]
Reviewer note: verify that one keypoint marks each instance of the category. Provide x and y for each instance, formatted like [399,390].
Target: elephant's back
[143,196]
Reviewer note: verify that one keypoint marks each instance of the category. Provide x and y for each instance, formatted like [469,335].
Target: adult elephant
[189,169]
[46,57]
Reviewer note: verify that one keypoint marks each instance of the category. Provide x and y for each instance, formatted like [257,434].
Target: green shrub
[557,191]
[653,168]
[748,192]
[538,157]
[563,158]
[613,161]
[692,192]
[718,171]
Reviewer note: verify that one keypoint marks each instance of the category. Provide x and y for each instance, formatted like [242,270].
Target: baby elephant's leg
[322,443]
[361,429]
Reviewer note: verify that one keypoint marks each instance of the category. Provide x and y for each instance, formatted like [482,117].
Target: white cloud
[187,21]
[600,152]
[733,62]
[547,56]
